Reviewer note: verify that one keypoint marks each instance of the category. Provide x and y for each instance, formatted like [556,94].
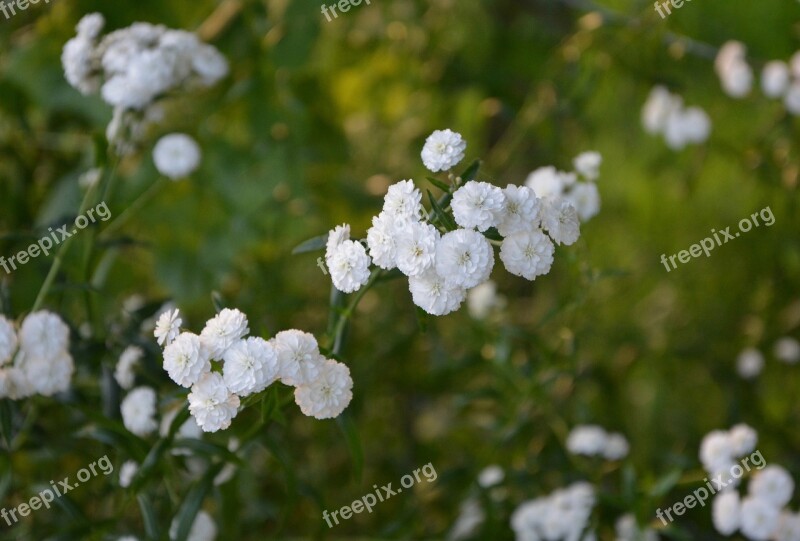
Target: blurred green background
[313,123]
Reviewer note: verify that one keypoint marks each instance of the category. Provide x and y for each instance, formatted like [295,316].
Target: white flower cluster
[577,188]
[664,114]
[323,387]
[592,440]
[628,530]
[733,71]
[760,515]
[563,515]
[442,265]
[750,362]
[34,359]
[133,67]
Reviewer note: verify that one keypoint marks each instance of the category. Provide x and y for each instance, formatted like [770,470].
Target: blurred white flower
[470,516]
[124,371]
[8,340]
[138,411]
[749,363]
[483,298]
[759,518]
[126,473]
[735,74]
[546,182]
[176,155]
[491,476]
[203,528]
[773,485]
[775,79]
[725,512]
[787,350]
[742,439]
[585,197]
[587,164]
[43,335]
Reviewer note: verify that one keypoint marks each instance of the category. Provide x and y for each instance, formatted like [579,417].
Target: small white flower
[176,155]
[546,182]
[168,327]
[250,366]
[528,254]
[329,394]
[47,376]
[212,404]
[336,237]
[658,108]
[43,334]
[349,266]
[775,79]
[687,126]
[403,201]
[90,25]
[8,340]
[716,451]
[433,294]
[616,447]
[223,330]
[585,197]
[789,529]
[725,512]
[773,485]
[490,476]
[124,371]
[587,440]
[186,359]
[443,150]
[209,64]
[477,205]
[298,357]
[77,60]
[759,518]
[560,220]
[743,439]
[735,74]
[749,363]
[381,241]
[787,350]
[416,248]
[139,410]
[520,212]
[483,298]
[587,164]
[464,258]
[203,528]
[126,473]
[792,98]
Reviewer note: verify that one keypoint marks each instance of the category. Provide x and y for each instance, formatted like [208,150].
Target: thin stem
[340,324]
[132,209]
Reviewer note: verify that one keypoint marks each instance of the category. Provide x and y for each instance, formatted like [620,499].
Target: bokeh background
[313,123]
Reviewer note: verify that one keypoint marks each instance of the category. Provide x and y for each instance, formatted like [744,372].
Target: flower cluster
[563,515]
[34,359]
[133,67]
[323,387]
[592,440]
[577,187]
[735,74]
[664,114]
[750,362]
[761,515]
[443,256]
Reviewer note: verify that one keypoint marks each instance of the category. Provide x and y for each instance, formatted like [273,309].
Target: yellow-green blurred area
[315,120]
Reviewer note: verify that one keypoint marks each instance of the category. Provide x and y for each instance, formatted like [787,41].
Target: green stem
[132,209]
[342,322]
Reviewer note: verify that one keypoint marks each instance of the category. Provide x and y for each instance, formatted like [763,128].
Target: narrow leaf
[350,432]
[311,245]
[439,184]
[148,517]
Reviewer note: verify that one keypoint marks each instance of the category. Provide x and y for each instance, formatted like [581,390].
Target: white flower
[8,340]
[381,241]
[349,266]
[90,25]
[716,451]
[433,294]
[789,529]
[176,155]
[483,298]
[587,164]
[773,485]
[743,439]
[560,220]
[794,65]
[686,126]
[520,212]
[212,404]
[209,64]
[336,237]
[464,258]
[403,201]
[329,394]
[759,519]
[77,60]
[250,366]
[43,334]
[490,476]
[528,254]
[735,74]
[126,473]
[585,197]
[223,330]
[416,248]
[470,516]
[616,447]
[123,372]
[775,79]
[546,182]
[298,357]
[787,349]
[477,205]
[47,375]
[139,410]
[168,327]
[792,98]
[203,528]
[725,512]
[587,440]
[749,363]
[658,108]
[443,150]
[187,431]
[186,359]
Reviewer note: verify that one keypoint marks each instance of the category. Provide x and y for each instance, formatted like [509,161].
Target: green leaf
[666,483]
[422,319]
[470,172]
[148,517]
[440,214]
[216,300]
[311,245]
[194,499]
[6,414]
[439,184]
[350,432]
